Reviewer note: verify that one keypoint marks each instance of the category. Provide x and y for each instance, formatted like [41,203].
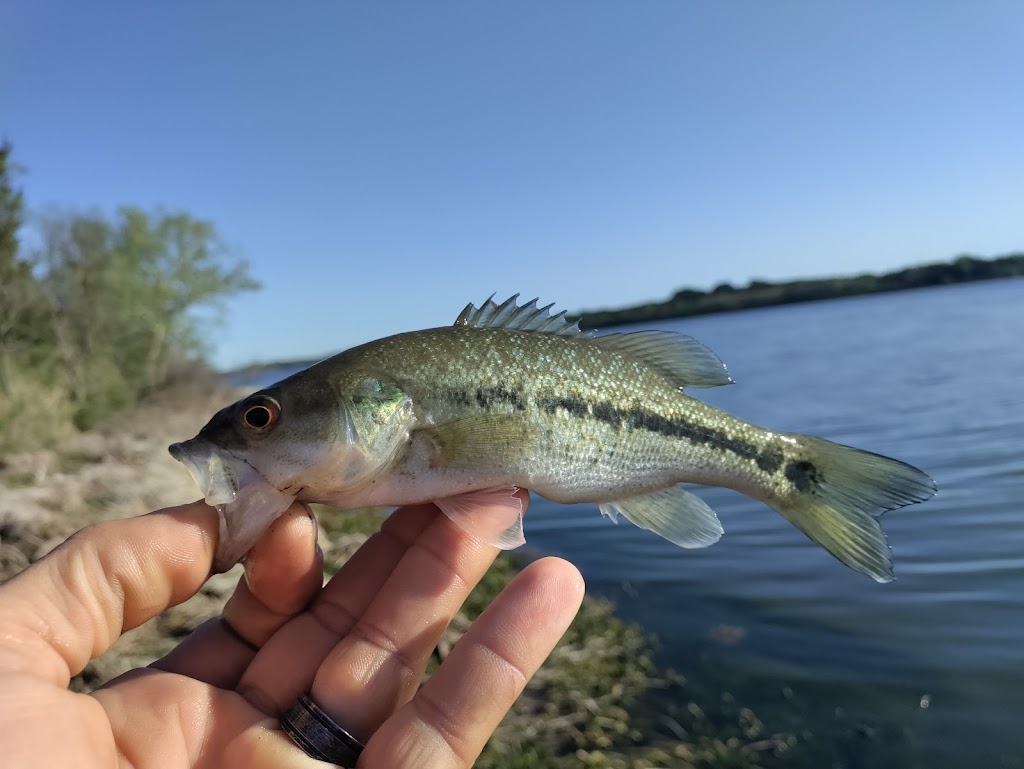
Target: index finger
[72,605]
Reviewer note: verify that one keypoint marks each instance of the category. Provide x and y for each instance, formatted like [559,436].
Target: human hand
[359,644]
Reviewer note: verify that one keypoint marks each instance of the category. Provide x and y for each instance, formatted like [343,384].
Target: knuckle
[438,717]
[447,572]
[389,649]
[259,698]
[333,616]
[509,678]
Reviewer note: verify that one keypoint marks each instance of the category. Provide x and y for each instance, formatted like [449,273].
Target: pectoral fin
[492,515]
[482,441]
[675,514]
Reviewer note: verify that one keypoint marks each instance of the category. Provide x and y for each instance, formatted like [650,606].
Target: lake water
[933,377]
[929,668]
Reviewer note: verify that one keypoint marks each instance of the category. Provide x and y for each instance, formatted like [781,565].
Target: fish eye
[261,414]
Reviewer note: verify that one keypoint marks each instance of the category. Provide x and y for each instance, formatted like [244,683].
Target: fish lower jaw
[244,520]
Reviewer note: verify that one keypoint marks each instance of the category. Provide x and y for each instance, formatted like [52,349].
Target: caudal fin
[835,494]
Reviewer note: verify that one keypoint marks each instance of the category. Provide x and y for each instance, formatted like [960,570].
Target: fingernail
[249,575]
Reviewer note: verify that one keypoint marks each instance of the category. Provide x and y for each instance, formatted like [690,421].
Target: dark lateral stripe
[635,417]
[639,418]
[487,396]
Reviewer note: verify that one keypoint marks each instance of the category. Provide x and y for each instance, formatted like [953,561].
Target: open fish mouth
[212,471]
[246,502]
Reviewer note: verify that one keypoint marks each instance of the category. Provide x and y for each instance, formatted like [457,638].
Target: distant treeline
[99,310]
[758,293]
[761,293]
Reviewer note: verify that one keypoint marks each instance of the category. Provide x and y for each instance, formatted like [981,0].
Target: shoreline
[690,302]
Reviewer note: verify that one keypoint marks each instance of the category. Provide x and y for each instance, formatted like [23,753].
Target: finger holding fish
[283,572]
[288,662]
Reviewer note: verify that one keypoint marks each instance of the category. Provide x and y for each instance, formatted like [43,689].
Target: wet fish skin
[492,403]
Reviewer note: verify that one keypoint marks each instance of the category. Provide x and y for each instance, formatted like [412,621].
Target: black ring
[318,735]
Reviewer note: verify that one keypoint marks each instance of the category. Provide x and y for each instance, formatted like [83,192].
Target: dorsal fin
[679,358]
[528,317]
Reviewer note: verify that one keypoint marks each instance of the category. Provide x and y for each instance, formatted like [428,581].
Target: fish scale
[513,396]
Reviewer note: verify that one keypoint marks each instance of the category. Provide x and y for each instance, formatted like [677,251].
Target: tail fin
[836,493]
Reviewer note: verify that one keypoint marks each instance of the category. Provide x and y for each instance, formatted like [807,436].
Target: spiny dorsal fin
[681,359]
[528,317]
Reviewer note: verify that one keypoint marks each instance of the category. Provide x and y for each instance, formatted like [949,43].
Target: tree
[178,264]
[83,315]
[11,209]
[11,271]
[122,296]
[93,318]
[22,307]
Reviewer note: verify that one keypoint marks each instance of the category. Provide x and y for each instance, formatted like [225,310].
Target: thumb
[72,605]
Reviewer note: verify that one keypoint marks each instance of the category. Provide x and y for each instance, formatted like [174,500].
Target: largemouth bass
[515,397]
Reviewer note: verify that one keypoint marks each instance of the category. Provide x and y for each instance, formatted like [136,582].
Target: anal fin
[674,513]
[492,515]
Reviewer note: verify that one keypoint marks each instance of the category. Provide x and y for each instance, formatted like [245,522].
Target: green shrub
[33,413]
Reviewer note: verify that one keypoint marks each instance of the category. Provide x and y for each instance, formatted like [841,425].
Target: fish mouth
[246,502]
[211,468]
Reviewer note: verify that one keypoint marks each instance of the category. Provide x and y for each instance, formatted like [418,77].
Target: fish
[515,396]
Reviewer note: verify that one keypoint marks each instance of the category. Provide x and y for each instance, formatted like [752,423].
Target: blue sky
[382,164]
